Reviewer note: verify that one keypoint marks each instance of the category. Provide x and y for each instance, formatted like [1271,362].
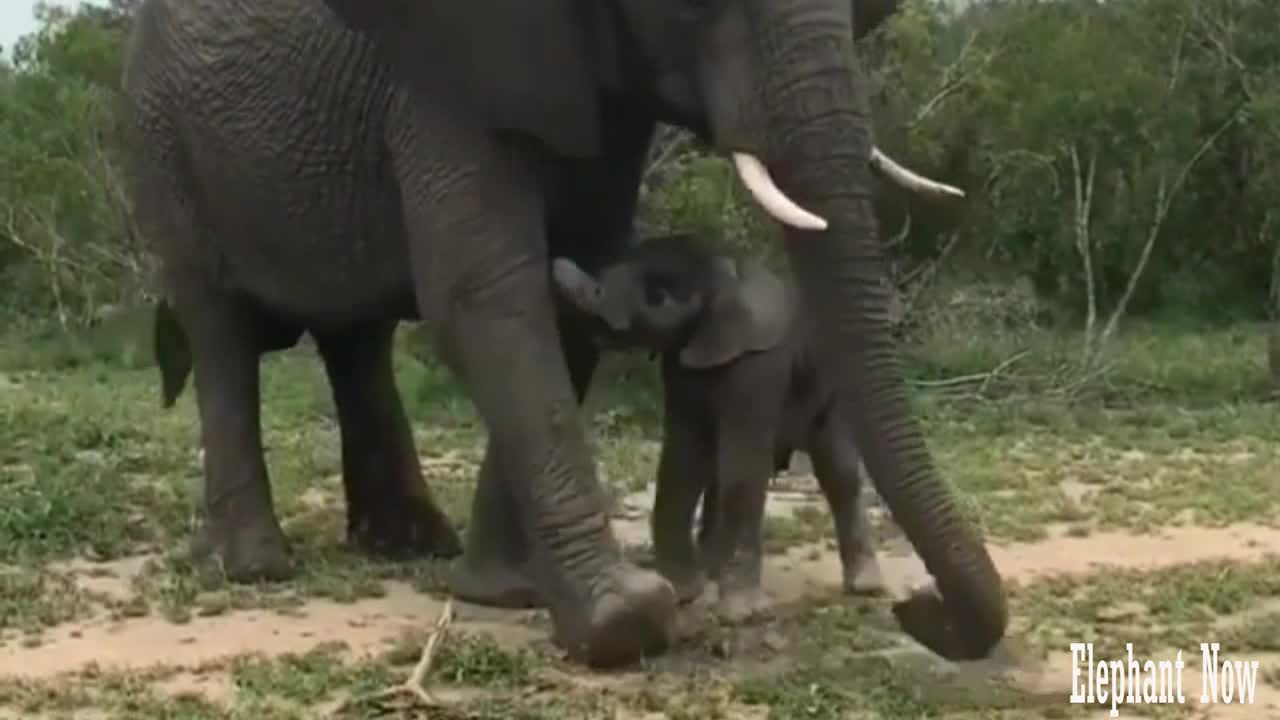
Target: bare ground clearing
[1155,523]
[190,658]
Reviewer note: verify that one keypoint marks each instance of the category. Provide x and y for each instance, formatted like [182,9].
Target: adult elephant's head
[776,85]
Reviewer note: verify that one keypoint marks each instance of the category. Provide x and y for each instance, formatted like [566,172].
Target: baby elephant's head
[667,294]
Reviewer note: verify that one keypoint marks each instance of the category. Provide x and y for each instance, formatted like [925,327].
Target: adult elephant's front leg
[605,610]
[592,225]
[479,262]
[390,510]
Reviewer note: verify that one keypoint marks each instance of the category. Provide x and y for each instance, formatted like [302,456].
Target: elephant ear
[749,311]
[529,66]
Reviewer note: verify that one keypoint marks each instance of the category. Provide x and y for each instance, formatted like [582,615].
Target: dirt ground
[194,652]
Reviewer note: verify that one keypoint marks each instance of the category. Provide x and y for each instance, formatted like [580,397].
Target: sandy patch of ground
[370,626]
[807,570]
[365,628]
[112,580]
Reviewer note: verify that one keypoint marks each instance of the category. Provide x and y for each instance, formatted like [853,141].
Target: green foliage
[699,193]
[84,44]
[63,249]
[1079,124]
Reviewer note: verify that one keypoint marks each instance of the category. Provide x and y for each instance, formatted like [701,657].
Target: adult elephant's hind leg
[390,509]
[494,569]
[241,531]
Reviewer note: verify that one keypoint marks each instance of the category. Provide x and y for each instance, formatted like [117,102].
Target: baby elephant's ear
[749,311]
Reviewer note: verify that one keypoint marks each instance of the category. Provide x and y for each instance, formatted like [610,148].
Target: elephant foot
[245,554]
[631,617]
[742,603]
[403,527]
[688,582]
[863,577]
[493,586]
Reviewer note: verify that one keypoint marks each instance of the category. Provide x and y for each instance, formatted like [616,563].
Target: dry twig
[415,687]
[984,378]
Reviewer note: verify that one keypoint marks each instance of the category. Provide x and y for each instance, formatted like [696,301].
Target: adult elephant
[333,166]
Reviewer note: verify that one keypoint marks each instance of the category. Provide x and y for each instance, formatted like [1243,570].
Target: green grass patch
[1178,607]
[31,600]
[92,467]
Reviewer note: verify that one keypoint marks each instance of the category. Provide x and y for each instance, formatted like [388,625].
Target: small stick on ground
[415,687]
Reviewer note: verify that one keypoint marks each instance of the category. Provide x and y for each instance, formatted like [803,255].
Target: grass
[93,470]
[1175,607]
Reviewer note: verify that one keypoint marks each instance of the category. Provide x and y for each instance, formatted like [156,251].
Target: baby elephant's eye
[656,295]
[663,289]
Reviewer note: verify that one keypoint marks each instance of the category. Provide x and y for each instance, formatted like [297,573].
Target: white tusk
[908,179]
[755,176]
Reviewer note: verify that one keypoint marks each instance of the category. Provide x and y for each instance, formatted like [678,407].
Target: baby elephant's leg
[835,463]
[685,465]
[735,546]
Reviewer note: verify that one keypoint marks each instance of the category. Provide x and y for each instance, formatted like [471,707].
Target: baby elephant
[741,394]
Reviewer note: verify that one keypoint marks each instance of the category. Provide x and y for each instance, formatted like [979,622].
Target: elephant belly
[792,435]
[328,249]
[807,401]
[285,156]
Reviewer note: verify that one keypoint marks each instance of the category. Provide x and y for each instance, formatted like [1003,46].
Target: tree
[63,249]
[1103,143]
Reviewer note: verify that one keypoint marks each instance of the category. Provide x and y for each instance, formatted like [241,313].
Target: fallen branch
[1001,368]
[983,377]
[415,687]
[1070,379]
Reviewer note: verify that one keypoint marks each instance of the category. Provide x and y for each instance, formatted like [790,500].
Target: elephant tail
[172,352]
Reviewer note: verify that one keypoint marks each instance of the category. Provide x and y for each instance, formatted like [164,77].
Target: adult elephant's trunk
[818,145]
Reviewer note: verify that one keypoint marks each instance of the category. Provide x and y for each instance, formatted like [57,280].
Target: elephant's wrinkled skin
[333,166]
[741,395]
